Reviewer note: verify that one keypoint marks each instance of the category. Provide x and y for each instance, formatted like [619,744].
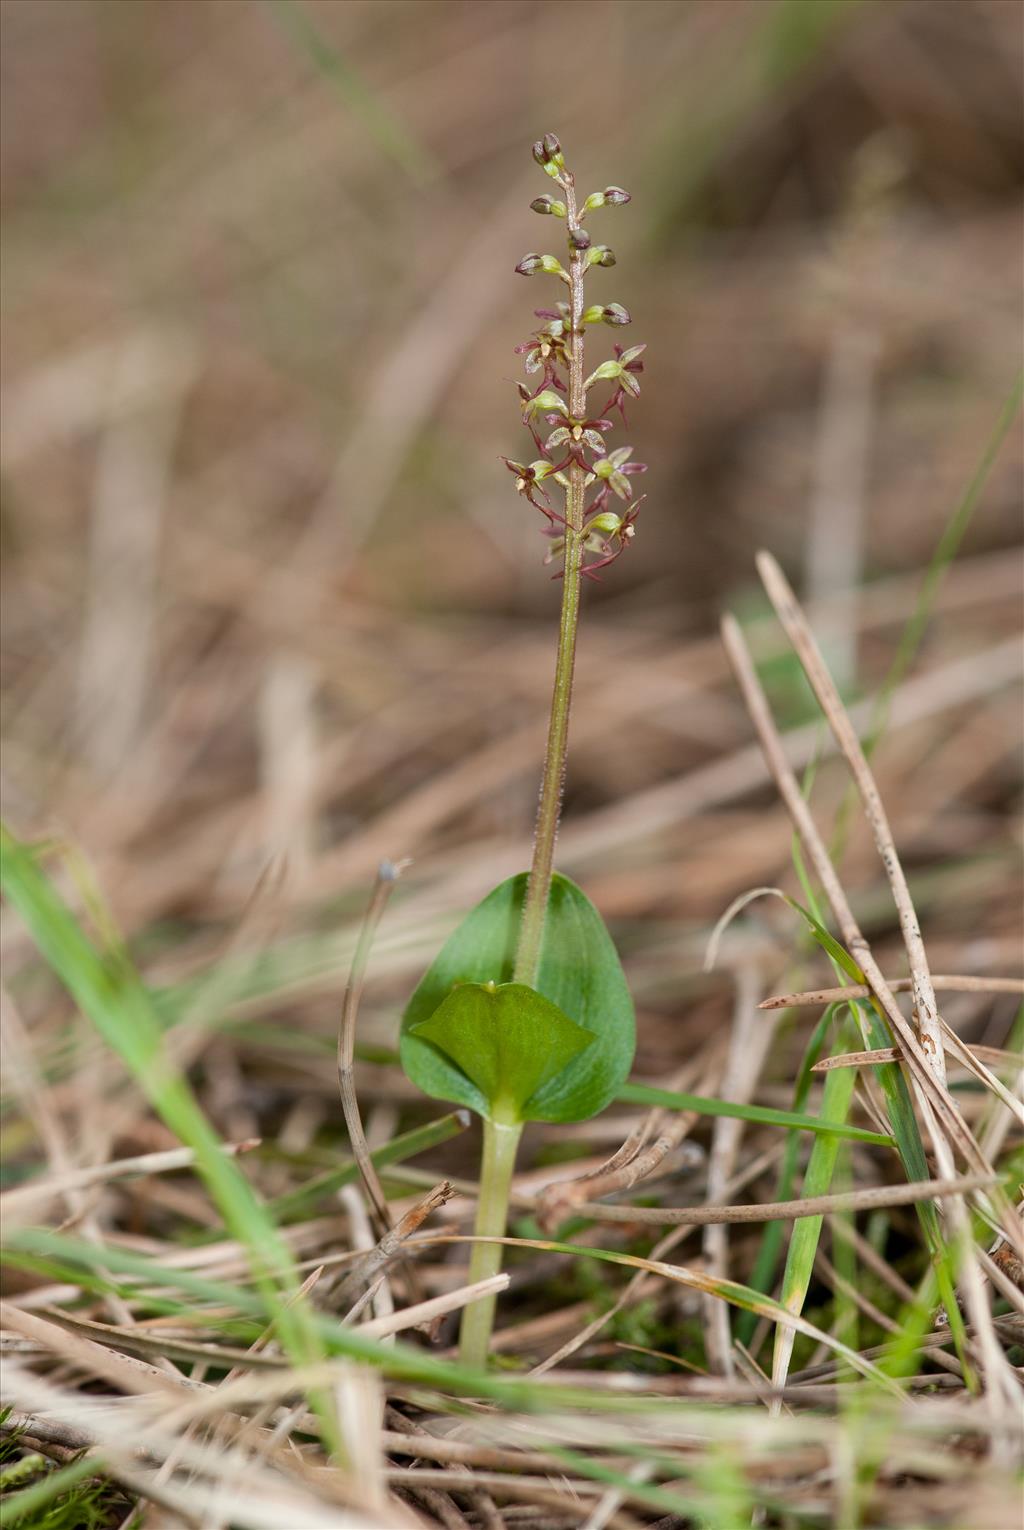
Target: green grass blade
[646,1094]
[36,1498]
[803,1244]
[390,133]
[109,992]
[910,639]
[900,1110]
[401,1360]
[763,1273]
[946,550]
[296,1203]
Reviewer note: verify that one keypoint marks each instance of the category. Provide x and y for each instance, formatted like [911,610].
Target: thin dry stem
[748,1046]
[783,1211]
[802,638]
[893,1054]
[933,1097]
[819,997]
[634,1161]
[387,874]
[930,1091]
[391,1244]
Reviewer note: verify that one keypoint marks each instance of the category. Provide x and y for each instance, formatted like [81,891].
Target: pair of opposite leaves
[556,1052]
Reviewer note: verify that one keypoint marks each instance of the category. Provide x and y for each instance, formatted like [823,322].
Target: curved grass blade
[297,1203]
[110,993]
[764,1115]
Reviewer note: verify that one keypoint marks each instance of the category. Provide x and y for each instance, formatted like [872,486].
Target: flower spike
[568,433]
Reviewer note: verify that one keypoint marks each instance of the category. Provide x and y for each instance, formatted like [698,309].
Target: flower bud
[598,255]
[614,313]
[614,196]
[579,239]
[547,151]
[532,263]
[548,205]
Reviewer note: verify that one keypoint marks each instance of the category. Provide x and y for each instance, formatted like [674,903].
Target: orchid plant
[525,1014]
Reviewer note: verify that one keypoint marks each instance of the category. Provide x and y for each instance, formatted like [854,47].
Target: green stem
[499,1159]
[531,928]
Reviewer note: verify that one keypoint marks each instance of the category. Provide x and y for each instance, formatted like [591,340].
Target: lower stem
[499,1157]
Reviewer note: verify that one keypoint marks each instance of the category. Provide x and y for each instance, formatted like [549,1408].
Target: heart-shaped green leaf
[579,972]
[508,1039]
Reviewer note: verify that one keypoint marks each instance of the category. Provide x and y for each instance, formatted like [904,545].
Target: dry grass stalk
[773,1211]
[819,997]
[748,1047]
[927,1086]
[636,1160]
[933,1097]
[427,1312]
[893,1054]
[802,638]
[387,875]
[17,1201]
[393,1241]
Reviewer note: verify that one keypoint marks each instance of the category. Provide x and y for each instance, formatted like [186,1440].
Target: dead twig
[637,1159]
[819,997]
[21,1197]
[934,1098]
[387,875]
[931,1093]
[893,1054]
[393,1240]
[783,1211]
[802,638]
[748,1045]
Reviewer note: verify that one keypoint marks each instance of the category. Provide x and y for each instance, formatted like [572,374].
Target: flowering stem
[531,928]
[591,531]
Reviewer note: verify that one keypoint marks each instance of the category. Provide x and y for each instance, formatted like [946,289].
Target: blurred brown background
[272,607]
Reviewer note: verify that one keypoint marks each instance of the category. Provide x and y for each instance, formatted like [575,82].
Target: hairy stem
[499,1158]
[500,1141]
[531,928]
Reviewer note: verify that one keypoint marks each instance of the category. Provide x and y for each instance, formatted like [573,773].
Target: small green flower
[548,400]
[528,478]
[607,371]
[609,469]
